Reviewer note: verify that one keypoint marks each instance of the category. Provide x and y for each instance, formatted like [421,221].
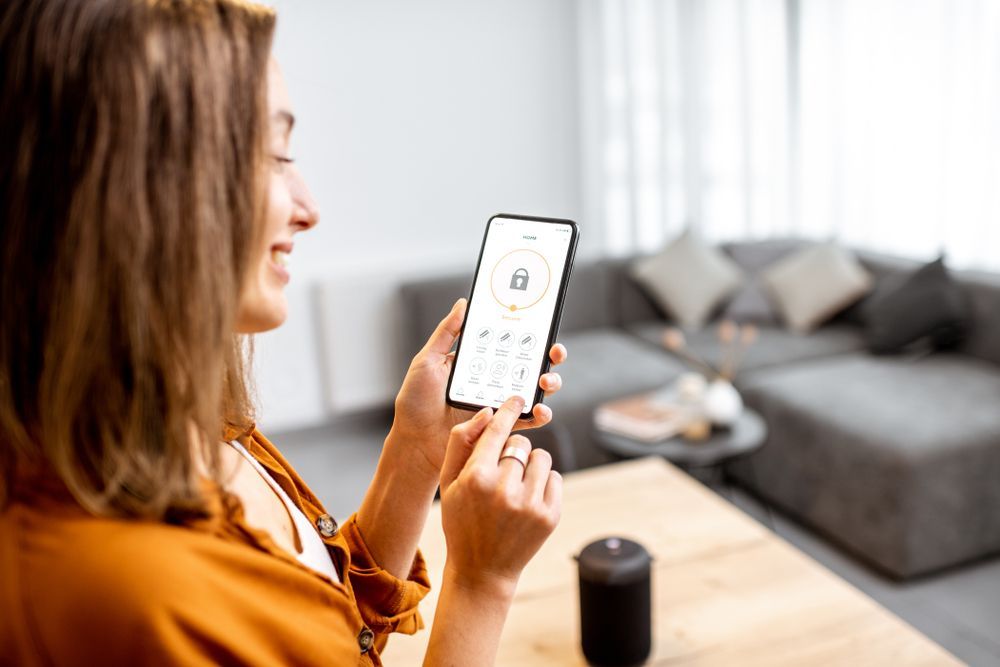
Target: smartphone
[514,309]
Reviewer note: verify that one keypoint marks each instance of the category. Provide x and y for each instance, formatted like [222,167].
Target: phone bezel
[553,323]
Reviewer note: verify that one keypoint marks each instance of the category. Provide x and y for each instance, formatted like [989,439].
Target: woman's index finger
[491,442]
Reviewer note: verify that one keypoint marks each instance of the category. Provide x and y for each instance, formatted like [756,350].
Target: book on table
[649,417]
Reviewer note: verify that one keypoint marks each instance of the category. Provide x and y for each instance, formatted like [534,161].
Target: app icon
[506,338]
[519,280]
[520,373]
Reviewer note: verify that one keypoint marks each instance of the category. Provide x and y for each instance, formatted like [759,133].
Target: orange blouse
[82,590]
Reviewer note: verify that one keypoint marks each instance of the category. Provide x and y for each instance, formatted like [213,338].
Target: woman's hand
[395,507]
[496,513]
[423,419]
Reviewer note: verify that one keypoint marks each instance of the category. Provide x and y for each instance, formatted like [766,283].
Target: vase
[722,404]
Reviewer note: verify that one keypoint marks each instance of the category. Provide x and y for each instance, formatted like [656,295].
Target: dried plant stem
[673,340]
[747,338]
[729,337]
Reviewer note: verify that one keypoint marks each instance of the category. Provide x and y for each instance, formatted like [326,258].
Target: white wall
[417,121]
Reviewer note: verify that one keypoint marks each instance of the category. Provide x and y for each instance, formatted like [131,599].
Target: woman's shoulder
[120,564]
[112,589]
[81,585]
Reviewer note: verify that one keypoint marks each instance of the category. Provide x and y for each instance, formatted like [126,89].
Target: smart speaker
[615,602]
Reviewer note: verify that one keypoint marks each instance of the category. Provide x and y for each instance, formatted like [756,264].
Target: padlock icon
[519,280]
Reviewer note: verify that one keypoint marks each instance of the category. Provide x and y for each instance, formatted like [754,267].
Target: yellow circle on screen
[514,285]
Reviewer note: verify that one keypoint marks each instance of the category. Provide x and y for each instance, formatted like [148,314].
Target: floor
[959,609]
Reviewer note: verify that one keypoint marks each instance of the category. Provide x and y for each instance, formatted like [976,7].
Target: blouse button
[365,639]
[327,526]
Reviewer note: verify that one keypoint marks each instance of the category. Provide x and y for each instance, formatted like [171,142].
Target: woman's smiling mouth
[280,253]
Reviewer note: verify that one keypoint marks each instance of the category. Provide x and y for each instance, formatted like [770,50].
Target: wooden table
[726,590]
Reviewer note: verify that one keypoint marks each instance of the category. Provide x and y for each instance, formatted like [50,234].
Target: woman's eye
[280,161]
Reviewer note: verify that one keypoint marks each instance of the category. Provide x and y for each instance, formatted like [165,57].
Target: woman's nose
[305,211]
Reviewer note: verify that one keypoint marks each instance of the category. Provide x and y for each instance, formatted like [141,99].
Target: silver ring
[516,453]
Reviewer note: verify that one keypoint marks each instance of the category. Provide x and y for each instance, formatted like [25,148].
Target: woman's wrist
[469,619]
[487,587]
[406,454]
[394,510]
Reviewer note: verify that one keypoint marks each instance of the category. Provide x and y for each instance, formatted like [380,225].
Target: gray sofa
[897,459]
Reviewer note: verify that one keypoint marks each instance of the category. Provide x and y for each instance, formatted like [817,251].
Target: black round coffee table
[747,435]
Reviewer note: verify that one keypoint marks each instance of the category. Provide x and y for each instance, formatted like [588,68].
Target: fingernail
[458,303]
[485,412]
[519,401]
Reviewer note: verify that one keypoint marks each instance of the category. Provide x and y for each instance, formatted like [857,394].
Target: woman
[148,203]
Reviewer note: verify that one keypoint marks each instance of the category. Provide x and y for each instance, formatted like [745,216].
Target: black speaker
[615,602]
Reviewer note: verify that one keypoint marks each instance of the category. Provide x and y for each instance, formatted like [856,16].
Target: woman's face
[290,209]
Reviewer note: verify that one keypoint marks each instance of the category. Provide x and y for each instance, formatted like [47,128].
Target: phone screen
[510,323]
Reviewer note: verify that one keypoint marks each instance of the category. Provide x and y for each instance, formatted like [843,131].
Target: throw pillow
[929,306]
[688,279]
[814,284]
[888,273]
[751,303]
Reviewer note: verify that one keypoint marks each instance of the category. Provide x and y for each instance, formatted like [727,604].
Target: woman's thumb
[447,330]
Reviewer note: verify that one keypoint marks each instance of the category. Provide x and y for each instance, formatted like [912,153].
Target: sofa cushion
[897,459]
[689,278]
[815,284]
[888,273]
[983,290]
[603,364]
[928,307]
[751,303]
[774,346]
[755,256]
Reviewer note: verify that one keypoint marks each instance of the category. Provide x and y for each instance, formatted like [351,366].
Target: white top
[314,554]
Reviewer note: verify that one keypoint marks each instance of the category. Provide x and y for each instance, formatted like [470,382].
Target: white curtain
[875,122]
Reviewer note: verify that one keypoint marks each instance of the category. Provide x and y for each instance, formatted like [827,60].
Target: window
[876,122]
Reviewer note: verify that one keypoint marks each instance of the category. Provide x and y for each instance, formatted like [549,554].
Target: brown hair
[131,145]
